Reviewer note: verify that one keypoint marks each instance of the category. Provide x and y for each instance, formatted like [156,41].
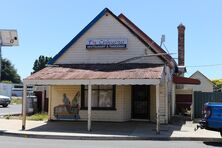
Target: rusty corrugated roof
[98,71]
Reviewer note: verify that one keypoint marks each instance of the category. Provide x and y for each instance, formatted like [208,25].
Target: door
[38,94]
[140,102]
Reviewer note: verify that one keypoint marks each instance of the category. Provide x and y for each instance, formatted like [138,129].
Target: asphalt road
[11,109]
[17,142]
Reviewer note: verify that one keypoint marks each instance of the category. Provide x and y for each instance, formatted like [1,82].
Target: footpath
[107,131]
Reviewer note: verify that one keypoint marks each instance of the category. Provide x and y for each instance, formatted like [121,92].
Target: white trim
[94,82]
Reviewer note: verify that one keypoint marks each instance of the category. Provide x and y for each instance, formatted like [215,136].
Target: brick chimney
[181,33]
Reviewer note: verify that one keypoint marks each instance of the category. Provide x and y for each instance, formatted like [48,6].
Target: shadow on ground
[216,144]
[129,128]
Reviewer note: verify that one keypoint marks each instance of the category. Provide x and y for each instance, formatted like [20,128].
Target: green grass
[16,100]
[38,117]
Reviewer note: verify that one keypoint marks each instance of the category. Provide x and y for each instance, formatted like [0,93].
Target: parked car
[211,117]
[4,100]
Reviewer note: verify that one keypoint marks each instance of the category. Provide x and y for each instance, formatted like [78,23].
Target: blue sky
[46,26]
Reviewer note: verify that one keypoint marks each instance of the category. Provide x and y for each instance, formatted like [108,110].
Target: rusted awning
[184,80]
[98,72]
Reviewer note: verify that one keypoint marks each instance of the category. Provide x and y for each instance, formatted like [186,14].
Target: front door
[140,102]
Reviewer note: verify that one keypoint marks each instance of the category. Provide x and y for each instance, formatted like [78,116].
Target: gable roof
[78,35]
[198,72]
[155,49]
[146,38]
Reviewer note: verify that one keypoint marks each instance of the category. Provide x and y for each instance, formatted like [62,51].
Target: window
[103,97]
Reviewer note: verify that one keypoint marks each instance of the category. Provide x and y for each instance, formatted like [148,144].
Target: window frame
[83,107]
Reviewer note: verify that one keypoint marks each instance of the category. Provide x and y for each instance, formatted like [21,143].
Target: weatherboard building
[110,71]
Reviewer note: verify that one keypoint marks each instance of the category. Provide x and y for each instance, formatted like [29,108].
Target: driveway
[10,110]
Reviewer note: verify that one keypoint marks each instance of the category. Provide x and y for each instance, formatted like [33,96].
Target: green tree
[40,63]
[9,73]
[217,85]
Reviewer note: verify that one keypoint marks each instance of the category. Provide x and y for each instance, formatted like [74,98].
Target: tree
[217,85]
[40,63]
[9,73]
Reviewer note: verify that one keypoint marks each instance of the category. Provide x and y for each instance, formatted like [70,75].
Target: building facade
[110,71]
[205,86]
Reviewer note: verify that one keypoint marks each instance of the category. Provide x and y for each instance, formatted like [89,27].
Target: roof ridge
[145,37]
[86,28]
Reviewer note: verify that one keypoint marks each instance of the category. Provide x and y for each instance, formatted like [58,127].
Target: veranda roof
[96,72]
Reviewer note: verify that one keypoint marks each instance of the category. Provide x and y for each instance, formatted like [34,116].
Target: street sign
[8,38]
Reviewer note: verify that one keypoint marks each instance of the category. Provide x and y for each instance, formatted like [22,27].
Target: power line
[143,56]
[210,65]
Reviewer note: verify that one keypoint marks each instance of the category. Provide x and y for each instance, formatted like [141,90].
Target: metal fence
[202,97]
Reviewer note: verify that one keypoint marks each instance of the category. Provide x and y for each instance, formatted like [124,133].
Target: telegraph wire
[210,65]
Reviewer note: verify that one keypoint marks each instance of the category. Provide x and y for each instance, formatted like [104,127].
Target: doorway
[140,102]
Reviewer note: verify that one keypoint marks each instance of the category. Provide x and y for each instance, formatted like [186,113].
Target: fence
[202,97]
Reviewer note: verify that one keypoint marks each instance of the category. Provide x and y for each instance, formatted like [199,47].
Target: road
[11,109]
[16,142]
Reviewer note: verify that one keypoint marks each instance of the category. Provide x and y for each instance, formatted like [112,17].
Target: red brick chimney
[181,39]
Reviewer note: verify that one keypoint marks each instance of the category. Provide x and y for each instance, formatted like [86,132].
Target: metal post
[157,109]
[24,106]
[89,106]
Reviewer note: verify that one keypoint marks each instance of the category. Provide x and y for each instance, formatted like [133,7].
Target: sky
[46,26]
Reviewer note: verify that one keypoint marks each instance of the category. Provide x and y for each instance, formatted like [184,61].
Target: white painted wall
[107,27]
[123,103]
[205,86]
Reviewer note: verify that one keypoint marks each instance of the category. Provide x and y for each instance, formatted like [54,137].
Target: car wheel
[5,105]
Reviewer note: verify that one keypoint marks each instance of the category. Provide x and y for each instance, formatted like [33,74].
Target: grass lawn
[38,117]
[16,100]
[35,117]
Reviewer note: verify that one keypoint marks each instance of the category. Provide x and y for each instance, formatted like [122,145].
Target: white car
[4,100]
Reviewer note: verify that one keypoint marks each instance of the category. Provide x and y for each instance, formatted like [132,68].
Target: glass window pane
[105,87]
[86,98]
[94,98]
[102,96]
[95,86]
[105,98]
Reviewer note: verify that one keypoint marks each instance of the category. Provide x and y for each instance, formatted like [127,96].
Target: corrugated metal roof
[98,71]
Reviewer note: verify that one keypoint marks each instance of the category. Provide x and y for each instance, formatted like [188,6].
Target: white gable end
[107,27]
[205,84]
